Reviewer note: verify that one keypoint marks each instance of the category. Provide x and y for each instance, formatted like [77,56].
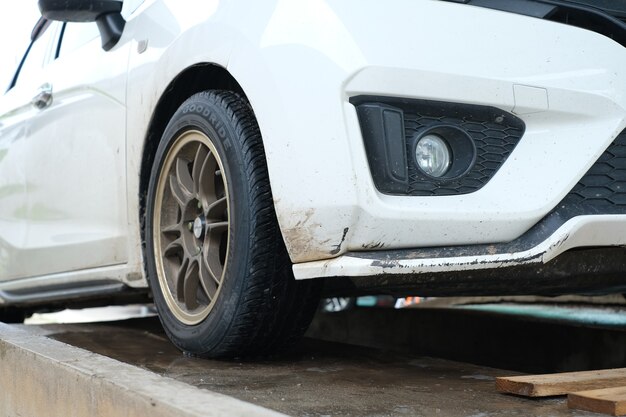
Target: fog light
[433,155]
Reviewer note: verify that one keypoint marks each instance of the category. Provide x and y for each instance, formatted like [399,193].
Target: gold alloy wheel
[191,227]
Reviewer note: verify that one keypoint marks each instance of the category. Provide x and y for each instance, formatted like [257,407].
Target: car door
[75,164]
[16,114]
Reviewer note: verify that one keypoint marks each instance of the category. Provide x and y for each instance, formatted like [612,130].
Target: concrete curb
[40,377]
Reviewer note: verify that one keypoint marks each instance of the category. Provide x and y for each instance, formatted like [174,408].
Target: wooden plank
[561,384]
[610,401]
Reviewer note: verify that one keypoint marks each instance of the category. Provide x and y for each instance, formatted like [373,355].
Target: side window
[76,35]
[35,55]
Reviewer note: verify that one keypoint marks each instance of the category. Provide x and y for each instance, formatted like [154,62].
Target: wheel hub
[198,227]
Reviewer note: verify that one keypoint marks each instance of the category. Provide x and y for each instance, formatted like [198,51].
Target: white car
[209,152]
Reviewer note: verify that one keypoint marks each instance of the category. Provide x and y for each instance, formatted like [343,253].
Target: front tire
[217,265]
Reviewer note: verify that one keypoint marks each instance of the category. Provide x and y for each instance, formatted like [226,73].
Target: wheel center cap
[198,227]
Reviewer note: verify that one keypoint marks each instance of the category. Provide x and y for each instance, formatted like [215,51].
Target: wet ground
[324,378]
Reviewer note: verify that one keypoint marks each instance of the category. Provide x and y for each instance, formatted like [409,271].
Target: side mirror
[106,13]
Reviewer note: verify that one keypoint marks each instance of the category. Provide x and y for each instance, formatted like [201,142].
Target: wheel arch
[192,80]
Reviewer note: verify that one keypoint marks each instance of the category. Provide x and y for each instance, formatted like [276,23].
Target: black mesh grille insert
[495,134]
[603,188]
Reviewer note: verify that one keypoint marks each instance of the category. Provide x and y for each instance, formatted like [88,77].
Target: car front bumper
[567,84]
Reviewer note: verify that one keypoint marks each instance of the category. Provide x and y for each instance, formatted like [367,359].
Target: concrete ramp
[41,377]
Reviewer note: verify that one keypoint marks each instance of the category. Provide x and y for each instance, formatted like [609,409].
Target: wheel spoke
[212,252]
[179,194]
[207,279]
[201,155]
[184,177]
[217,227]
[180,279]
[174,228]
[206,179]
[190,286]
[217,209]
[214,268]
[174,247]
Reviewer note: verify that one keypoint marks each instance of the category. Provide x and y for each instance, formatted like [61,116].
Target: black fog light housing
[443,152]
[478,140]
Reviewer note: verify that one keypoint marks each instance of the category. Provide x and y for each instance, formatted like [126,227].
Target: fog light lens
[433,155]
